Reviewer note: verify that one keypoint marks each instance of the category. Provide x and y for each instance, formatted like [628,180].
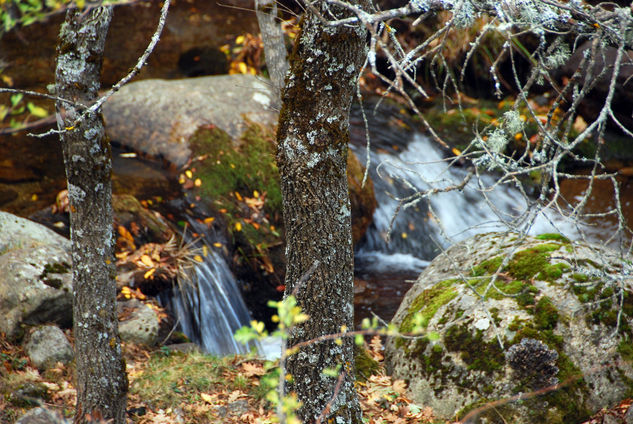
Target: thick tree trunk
[312,154]
[101,378]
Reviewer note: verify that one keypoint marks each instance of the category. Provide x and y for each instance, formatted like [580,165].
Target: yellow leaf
[238,196]
[255,194]
[456,151]
[238,226]
[242,67]
[240,39]
[37,111]
[217,244]
[207,398]
[34,197]
[7,80]
[209,220]
[404,235]
[188,173]
[205,250]
[518,136]
[125,291]
[181,179]
[149,273]
[147,260]
[232,165]
[197,182]
[198,258]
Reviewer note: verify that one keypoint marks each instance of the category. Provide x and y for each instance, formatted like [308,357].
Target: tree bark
[101,379]
[313,140]
[274,45]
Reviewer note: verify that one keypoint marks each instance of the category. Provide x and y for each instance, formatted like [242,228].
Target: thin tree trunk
[101,378]
[274,45]
[313,140]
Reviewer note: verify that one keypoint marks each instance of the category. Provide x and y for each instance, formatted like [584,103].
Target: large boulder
[158,117]
[35,277]
[555,312]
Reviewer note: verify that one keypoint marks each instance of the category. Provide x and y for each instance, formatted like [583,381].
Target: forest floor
[169,386]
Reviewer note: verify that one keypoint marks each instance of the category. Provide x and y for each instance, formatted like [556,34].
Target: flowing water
[208,305]
[394,250]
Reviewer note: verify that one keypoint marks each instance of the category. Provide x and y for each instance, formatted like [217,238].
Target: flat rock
[41,415]
[138,323]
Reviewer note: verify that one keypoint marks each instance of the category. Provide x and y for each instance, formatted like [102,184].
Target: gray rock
[41,416]
[140,323]
[35,277]
[158,117]
[48,345]
[565,295]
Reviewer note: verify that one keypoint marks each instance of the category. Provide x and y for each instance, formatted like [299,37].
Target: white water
[211,309]
[416,235]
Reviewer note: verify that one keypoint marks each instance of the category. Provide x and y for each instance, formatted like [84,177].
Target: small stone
[141,326]
[41,416]
[48,345]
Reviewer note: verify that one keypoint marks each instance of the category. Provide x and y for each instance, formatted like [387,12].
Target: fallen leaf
[235,395]
[249,369]
[207,398]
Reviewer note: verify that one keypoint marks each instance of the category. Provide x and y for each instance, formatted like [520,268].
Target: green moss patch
[553,236]
[427,304]
[474,351]
[532,261]
[225,169]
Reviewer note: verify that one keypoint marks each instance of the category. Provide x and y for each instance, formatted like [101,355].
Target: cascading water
[212,310]
[209,307]
[401,165]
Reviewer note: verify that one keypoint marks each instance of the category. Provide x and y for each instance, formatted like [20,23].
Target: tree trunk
[101,379]
[274,44]
[313,140]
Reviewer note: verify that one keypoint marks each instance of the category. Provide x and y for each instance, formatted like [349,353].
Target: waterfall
[417,235]
[209,307]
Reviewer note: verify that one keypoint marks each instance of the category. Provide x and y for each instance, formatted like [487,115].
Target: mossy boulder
[502,317]
[220,131]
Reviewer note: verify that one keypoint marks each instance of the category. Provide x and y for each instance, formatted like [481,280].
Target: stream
[402,160]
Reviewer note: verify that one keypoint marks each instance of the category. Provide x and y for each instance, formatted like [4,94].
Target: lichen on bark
[101,379]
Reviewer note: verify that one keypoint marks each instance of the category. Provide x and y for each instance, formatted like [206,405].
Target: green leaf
[37,111]
[433,336]
[16,98]
[359,339]
[332,372]
[245,335]
[4,111]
